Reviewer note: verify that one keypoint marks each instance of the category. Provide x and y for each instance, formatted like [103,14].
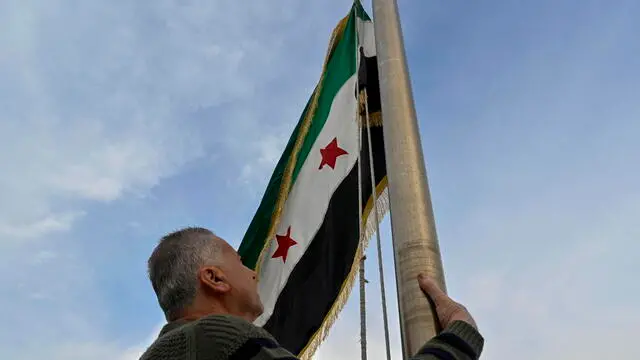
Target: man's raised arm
[460,339]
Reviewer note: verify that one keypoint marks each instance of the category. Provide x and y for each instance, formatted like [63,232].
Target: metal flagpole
[415,242]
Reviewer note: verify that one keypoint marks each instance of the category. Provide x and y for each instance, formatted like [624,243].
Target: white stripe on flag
[366,36]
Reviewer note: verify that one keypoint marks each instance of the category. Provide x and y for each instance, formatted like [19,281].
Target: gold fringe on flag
[375,119]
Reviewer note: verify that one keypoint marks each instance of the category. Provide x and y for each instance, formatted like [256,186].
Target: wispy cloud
[530,126]
[103,100]
[69,350]
[100,102]
[38,228]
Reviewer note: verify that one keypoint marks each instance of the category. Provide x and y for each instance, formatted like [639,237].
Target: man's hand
[447,310]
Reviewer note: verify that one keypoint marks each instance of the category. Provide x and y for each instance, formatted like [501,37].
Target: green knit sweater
[224,337]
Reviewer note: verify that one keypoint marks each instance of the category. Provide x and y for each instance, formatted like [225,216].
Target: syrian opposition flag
[305,238]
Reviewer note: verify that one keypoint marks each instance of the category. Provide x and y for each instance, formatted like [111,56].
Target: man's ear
[214,279]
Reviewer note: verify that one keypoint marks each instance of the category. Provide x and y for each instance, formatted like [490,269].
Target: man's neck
[193,315]
[203,307]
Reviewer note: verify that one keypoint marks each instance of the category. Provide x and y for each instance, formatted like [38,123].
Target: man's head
[195,273]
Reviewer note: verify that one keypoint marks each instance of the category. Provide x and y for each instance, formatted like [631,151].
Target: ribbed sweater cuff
[466,333]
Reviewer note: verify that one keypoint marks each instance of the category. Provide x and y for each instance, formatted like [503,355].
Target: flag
[304,240]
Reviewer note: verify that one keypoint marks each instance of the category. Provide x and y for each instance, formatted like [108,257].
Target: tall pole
[415,242]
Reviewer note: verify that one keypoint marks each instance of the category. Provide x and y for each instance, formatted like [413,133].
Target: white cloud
[93,350]
[98,98]
[44,256]
[38,228]
[77,124]
[100,102]
[267,151]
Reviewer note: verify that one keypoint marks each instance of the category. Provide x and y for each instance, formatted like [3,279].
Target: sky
[121,121]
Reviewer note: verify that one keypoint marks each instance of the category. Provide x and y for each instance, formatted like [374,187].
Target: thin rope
[363,308]
[363,311]
[377,221]
[363,302]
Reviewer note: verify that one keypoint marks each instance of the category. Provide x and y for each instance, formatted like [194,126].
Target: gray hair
[174,264]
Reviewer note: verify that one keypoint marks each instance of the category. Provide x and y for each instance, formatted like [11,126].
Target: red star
[284,243]
[331,153]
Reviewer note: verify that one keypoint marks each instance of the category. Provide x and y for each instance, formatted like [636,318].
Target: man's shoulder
[221,320]
[229,337]
[218,336]
[172,343]
[216,323]
[226,327]
[225,334]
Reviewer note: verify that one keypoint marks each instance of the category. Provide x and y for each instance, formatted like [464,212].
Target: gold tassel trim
[285,185]
[375,119]
[382,200]
[370,227]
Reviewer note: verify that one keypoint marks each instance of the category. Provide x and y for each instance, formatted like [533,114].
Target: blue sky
[122,121]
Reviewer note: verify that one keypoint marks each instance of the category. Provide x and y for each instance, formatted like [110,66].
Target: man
[210,300]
